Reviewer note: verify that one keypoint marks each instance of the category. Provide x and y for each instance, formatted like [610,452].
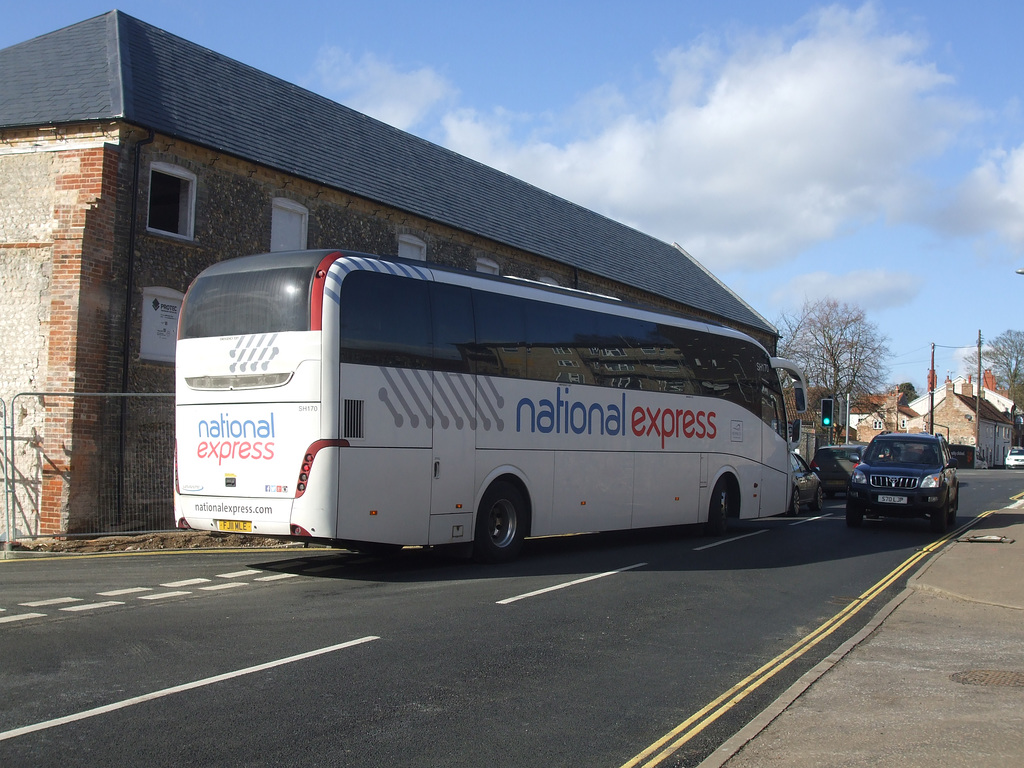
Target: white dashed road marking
[184,583]
[162,595]
[92,606]
[54,601]
[20,617]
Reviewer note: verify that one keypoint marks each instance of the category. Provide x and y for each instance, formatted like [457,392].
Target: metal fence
[7,533]
[87,463]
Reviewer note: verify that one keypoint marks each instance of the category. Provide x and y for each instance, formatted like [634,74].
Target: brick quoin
[79,332]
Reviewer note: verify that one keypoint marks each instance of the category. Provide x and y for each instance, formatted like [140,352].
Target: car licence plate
[235,526]
[892,499]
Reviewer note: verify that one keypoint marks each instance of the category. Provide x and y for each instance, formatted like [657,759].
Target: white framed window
[288,225]
[172,201]
[487,266]
[877,424]
[411,247]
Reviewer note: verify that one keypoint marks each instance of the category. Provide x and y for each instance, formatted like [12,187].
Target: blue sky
[871,152]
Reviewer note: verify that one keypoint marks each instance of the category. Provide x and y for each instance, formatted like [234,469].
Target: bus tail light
[183,524]
[307,464]
[298,530]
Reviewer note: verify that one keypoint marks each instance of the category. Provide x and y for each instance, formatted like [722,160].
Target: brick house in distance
[132,159]
[954,417]
[870,415]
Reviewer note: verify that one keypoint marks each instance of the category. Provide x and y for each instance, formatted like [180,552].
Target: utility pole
[931,394]
[977,401]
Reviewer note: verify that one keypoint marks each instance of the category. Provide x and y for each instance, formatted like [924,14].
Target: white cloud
[991,198]
[874,289]
[756,149]
[376,88]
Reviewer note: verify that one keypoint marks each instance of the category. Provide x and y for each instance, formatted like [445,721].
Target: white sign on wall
[160,308]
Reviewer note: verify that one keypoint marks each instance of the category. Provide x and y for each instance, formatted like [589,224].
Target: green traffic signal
[826,411]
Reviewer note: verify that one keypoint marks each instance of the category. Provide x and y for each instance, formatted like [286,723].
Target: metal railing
[8,529]
[81,464]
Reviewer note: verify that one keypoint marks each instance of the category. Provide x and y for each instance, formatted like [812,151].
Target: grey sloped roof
[115,66]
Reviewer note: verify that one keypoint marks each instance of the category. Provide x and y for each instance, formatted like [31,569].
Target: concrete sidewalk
[937,678]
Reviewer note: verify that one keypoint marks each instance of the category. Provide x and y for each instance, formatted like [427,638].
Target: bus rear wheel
[720,509]
[501,524]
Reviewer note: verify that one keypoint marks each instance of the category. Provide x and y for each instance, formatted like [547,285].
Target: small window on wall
[487,266]
[172,200]
[288,225]
[410,247]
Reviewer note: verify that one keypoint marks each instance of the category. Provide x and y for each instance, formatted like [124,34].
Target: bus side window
[500,334]
[385,321]
[454,328]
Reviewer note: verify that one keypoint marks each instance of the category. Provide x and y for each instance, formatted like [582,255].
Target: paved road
[587,651]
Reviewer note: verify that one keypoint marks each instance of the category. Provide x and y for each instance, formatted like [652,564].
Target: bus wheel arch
[502,520]
[723,504]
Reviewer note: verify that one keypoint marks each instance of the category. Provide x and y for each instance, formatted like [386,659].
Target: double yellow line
[697,722]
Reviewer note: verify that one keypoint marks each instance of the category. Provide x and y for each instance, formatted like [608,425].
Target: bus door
[452,483]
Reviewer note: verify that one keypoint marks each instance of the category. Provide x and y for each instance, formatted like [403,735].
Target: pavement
[936,678]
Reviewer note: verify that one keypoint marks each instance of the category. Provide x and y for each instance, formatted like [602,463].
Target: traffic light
[826,411]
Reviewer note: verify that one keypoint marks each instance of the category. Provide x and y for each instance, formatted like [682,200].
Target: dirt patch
[150,541]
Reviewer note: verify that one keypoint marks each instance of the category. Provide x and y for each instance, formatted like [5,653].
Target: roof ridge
[119,61]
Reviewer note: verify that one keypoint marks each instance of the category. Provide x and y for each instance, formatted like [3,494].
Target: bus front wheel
[501,524]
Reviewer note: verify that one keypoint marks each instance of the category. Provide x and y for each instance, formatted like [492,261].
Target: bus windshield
[237,303]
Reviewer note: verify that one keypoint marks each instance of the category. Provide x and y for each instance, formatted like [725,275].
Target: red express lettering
[669,423]
[235,449]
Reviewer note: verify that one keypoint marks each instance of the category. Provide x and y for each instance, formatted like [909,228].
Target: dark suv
[904,475]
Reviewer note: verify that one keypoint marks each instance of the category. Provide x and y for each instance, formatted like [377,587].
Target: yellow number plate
[236,526]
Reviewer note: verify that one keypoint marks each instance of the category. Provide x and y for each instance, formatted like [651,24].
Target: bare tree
[841,351]
[1004,355]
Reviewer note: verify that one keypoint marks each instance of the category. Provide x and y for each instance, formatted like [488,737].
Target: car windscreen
[902,452]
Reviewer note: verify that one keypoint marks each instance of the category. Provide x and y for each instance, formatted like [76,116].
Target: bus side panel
[666,489]
[385,495]
[384,473]
[593,491]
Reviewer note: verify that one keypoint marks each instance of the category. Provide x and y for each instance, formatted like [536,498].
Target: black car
[806,486]
[834,464]
[904,475]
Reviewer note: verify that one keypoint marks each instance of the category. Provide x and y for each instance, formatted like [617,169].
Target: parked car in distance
[834,464]
[904,475]
[1015,458]
[806,486]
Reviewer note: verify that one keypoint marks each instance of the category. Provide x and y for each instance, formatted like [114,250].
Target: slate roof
[117,67]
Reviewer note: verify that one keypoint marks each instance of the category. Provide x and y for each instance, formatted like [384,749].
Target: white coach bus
[375,403]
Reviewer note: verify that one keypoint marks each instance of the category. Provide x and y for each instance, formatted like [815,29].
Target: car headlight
[858,477]
[932,481]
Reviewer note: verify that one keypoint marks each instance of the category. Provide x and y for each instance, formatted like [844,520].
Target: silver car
[1015,458]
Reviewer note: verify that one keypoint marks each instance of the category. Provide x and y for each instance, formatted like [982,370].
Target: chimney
[968,388]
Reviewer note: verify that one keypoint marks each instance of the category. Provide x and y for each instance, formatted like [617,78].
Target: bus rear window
[238,303]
